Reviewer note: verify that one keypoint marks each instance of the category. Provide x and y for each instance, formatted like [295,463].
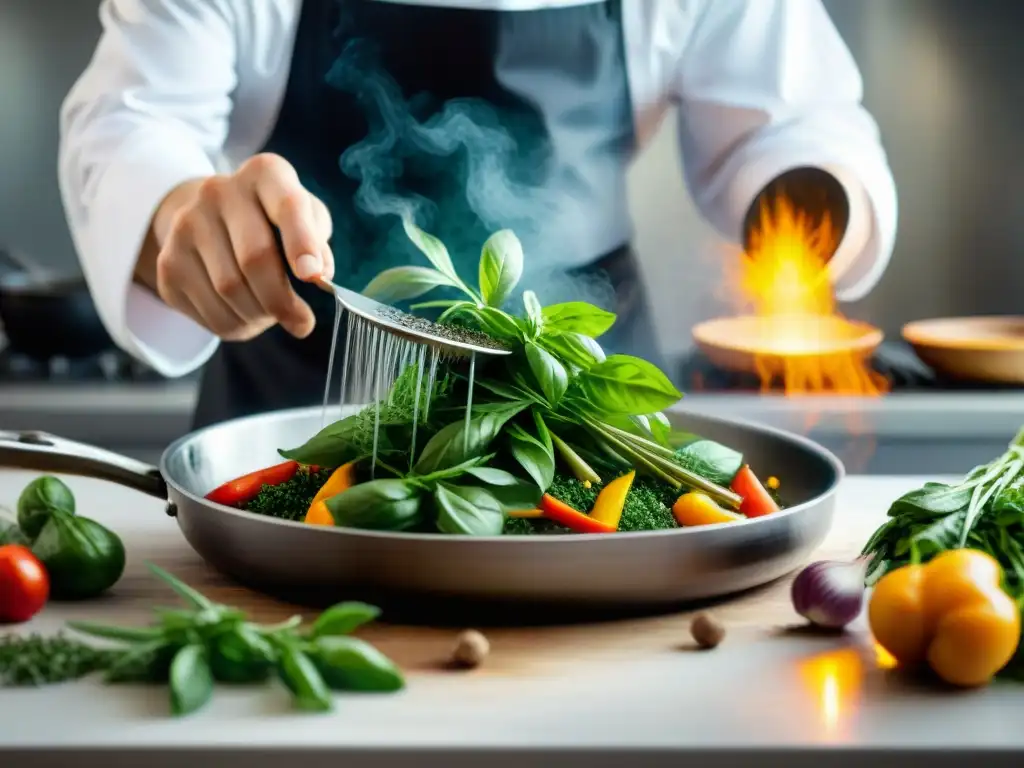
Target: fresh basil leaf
[404,283]
[144,663]
[433,249]
[469,511]
[578,317]
[550,374]
[498,324]
[501,266]
[336,444]
[454,443]
[300,675]
[492,476]
[628,385]
[534,311]
[349,664]
[534,456]
[931,500]
[378,505]
[344,618]
[191,680]
[572,348]
[241,655]
[712,461]
[507,391]
[543,433]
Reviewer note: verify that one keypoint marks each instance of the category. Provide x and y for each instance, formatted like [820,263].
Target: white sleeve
[150,112]
[766,86]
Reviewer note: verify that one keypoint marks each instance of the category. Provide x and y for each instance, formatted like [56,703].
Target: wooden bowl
[748,344]
[986,349]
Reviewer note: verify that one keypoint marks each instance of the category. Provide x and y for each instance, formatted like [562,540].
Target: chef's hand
[212,255]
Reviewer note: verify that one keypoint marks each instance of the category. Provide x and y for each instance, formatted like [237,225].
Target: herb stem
[666,469]
[638,457]
[583,471]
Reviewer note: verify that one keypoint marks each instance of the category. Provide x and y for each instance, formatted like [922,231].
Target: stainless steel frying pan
[627,569]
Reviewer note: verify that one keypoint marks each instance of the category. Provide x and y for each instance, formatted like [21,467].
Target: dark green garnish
[190,649]
[291,499]
[34,660]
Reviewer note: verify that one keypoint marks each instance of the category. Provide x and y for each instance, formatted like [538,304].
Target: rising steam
[462,174]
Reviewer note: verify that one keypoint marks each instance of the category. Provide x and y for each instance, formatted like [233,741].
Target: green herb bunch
[984,511]
[191,648]
[557,398]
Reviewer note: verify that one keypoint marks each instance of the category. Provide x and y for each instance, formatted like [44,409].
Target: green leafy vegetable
[468,510]
[191,680]
[628,385]
[349,664]
[458,442]
[534,312]
[189,649]
[984,511]
[536,456]
[713,461]
[501,266]
[344,618]
[383,505]
[577,317]
[550,373]
[404,283]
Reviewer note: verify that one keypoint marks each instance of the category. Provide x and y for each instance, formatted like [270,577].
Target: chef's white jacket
[180,89]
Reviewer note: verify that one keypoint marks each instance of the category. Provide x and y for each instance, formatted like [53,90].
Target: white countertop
[763,693]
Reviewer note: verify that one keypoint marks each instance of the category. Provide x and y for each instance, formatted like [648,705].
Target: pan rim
[827,456]
[865,342]
[918,334]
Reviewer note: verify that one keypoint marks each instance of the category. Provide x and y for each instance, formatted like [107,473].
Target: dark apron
[473,121]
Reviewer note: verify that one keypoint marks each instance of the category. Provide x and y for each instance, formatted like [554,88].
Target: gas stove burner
[895,361]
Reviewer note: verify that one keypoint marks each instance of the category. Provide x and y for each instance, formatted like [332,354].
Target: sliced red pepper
[561,513]
[757,502]
[247,487]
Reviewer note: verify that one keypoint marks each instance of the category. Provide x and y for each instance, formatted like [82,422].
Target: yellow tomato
[952,613]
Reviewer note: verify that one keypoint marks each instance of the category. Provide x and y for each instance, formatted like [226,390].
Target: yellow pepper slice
[611,500]
[341,479]
[319,514]
[695,508]
[526,513]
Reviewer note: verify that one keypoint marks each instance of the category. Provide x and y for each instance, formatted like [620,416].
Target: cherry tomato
[24,585]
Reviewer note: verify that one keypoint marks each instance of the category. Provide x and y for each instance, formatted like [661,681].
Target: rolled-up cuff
[867,244]
[145,170]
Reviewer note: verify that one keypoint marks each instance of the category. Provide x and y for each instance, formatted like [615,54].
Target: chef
[219,156]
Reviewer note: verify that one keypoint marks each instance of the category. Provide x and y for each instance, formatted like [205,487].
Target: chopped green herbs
[33,660]
[190,649]
[291,499]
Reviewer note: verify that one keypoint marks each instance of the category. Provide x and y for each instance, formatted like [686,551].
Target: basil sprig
[192,649]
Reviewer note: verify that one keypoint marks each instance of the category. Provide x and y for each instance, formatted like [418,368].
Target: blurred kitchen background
[942,77]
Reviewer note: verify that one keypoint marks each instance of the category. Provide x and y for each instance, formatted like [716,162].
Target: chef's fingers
[259,259]
[186,277]
[289,206]
[213,242]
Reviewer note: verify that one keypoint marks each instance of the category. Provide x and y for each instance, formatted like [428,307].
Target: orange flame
[783,280]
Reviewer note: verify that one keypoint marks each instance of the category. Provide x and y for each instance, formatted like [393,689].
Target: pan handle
[43,452]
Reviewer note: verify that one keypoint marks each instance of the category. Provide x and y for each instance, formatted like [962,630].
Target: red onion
[830,594]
